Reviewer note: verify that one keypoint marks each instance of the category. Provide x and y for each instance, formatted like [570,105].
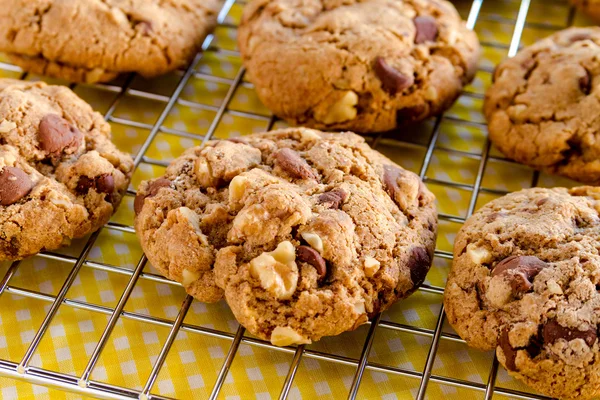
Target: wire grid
[83,384]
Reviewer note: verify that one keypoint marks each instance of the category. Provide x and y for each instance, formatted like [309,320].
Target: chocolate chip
[152,190]
[334,198]
[14,185]
[543,201]
[520,270]
[138,203]
[392,80]
[510,354]
[291,162]
[312,257]
[533,348]
[536,342]
[104,183]
[84,184]
[418,263]
[585,83]
[553,331]
[427,29]
[55,134]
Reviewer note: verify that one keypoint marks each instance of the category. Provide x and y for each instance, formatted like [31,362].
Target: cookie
[306,233]
[366,66]
[94,41]
[525,281]
[590,8]
[60,175]
[542,108]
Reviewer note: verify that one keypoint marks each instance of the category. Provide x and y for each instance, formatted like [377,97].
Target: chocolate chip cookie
[306,233]
[525,281]
[543,107]
[589,7]
[60,175]
[94,41]
[366,66]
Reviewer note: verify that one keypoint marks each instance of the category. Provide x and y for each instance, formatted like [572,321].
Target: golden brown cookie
[60,175]
[306,233]
[543,108]
[94,41]
[365,66]
[525,281]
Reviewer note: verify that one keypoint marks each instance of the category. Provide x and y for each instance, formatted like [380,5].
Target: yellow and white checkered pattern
[195,359]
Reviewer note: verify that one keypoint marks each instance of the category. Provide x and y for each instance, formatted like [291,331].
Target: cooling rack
[96,320]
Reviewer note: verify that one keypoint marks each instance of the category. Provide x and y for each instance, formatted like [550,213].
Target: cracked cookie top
[366,66]
[306,233]
[95,40]
[60,175]
[543,107]
[525,281]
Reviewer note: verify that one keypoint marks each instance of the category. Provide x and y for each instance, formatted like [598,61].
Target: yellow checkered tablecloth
[195,358]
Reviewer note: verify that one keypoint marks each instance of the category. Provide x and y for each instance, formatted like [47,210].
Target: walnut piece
[343,110]
[313,240]
[237,188]
[7,126]
[189,277]
[478,255]
[203,173]
[277,270]
[286,336]
[371,266]
[194,220]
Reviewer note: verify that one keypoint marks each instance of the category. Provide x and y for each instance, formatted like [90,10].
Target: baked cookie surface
[543,109]
[305,233]
[94,40]
[366,66]
[60,175]
[525,282]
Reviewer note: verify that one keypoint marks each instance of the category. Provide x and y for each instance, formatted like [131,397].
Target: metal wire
[83,384]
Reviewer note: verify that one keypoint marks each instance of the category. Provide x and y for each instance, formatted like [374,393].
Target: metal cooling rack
[84,385]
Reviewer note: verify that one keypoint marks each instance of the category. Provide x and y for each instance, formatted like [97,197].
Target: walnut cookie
[543,107]
[60,175]
[525,281]
[305,233]
[94,41]
[365,66]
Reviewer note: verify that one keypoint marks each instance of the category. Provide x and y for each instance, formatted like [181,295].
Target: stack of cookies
[305,233]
